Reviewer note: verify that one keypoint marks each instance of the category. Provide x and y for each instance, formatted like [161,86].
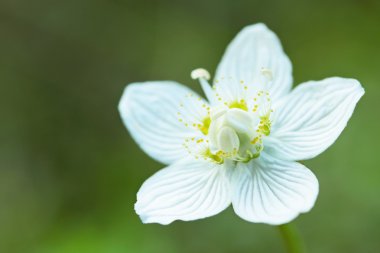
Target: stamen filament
[203,76]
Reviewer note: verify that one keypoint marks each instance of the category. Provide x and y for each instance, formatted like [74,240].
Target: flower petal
[273,191]
[254,56]
[311,118]
[188,190]
[160,116]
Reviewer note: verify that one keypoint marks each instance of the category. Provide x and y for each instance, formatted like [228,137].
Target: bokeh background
[69,170]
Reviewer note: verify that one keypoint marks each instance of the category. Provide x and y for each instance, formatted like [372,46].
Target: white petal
[273,191]
[311,118]
[255,52]
[160,116]
[187,190]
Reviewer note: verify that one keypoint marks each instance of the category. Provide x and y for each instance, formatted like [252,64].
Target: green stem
[292,239]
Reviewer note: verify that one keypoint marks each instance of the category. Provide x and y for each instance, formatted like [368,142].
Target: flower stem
[292,239]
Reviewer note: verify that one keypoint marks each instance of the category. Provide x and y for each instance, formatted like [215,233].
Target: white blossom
[242,144]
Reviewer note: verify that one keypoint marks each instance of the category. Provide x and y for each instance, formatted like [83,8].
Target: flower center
[235,134]
[233,130]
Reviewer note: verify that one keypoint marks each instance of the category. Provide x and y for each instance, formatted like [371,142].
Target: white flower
[240,146]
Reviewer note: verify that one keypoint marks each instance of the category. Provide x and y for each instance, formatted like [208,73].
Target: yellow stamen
[239,104]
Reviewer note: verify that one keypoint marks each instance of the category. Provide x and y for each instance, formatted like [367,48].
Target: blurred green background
[69,171]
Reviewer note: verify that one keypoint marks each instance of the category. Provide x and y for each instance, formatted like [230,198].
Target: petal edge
[150,111]
[187,190]
[273,191]
[311,118]
[253,49]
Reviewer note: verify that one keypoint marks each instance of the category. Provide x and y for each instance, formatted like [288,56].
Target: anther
[200,74]
[203,75]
